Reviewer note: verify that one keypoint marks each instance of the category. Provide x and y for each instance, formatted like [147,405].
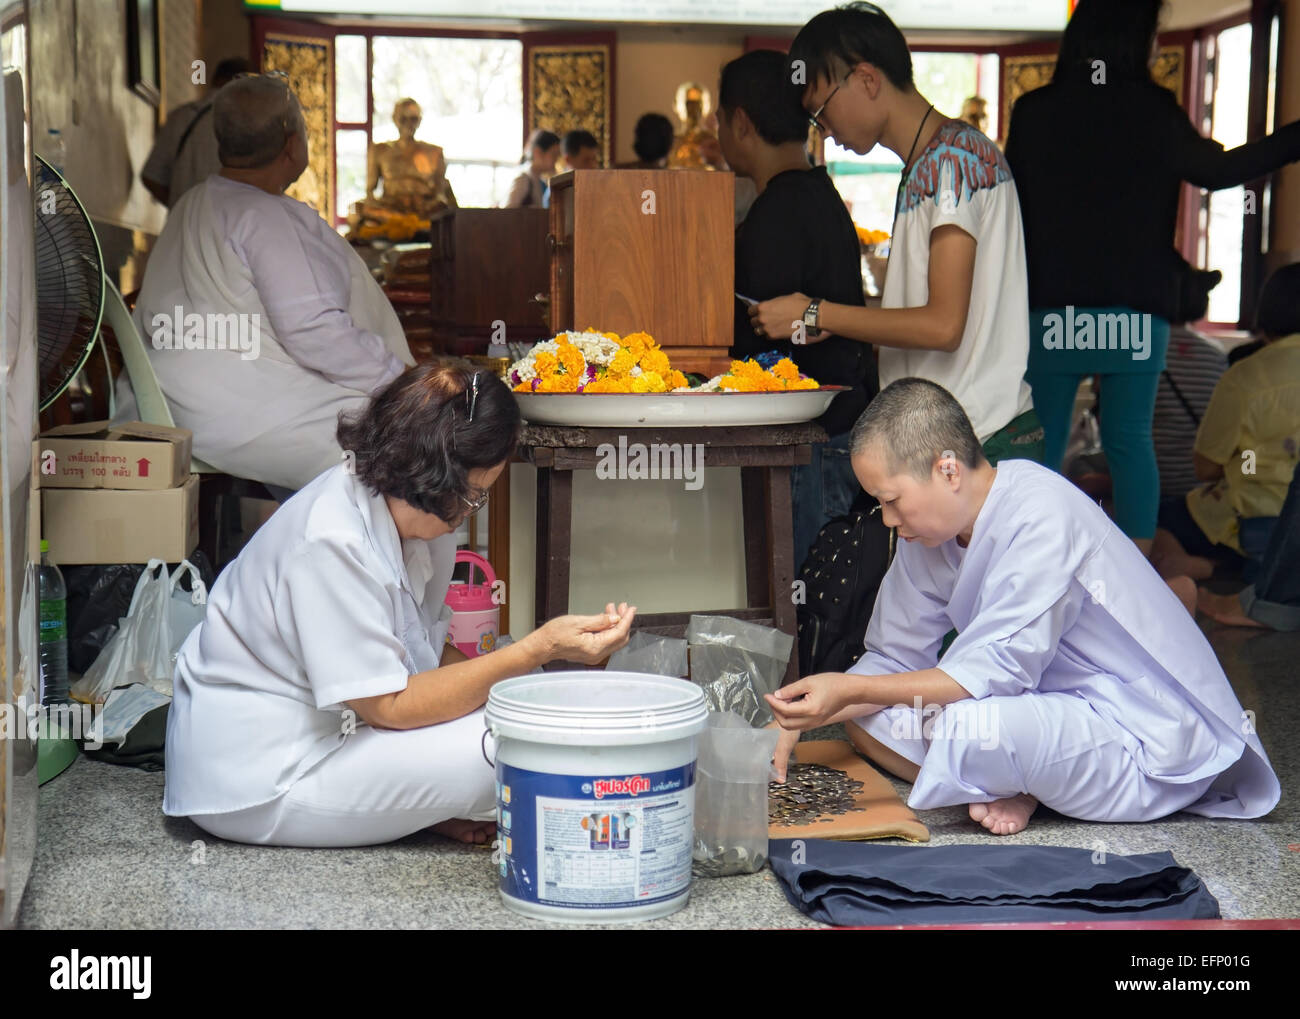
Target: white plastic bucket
[595,793]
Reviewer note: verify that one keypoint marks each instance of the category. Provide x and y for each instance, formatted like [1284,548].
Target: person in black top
[1098,158]
[796,238]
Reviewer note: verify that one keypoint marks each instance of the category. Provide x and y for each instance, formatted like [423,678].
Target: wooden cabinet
[488,265]
[647,251]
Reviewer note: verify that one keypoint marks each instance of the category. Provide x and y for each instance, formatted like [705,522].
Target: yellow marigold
[649,382]
[545,363]
[675,379]
[607,384]
[623,362]
[803,384]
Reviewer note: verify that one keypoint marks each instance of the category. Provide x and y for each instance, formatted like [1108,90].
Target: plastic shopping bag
[737,662]
[650,653]
[144,649]
[731,777]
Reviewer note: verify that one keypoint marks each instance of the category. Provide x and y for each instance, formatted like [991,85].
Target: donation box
[647,251]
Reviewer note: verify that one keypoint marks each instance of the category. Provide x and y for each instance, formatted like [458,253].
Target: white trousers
[1053,746]
[381,785]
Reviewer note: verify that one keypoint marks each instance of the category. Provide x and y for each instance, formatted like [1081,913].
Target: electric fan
[69,302]
[69,283]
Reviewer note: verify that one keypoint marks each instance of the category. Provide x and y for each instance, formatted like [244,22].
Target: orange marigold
[786,369]
[559,384]
[545,363]
[656,361]
[571,358]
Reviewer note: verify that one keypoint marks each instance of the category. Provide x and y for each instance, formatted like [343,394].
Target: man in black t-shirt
[797,238]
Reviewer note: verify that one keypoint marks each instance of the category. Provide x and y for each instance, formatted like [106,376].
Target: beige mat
[879,812]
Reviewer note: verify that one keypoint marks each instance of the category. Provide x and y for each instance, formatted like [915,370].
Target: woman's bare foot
[1225,609]
[476,833]
[1185,588]
[1007,816]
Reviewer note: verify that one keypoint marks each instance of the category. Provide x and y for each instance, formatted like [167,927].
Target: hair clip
[471,396]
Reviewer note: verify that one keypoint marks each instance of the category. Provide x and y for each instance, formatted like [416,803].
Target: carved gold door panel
[309,63]
[568,85]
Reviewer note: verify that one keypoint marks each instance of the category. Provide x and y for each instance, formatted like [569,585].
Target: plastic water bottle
[54,631]
[57,150]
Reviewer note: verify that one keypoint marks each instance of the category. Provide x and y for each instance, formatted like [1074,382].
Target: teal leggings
[1129,403]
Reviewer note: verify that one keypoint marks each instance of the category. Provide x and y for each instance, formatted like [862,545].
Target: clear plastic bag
[731,776]
[650,653]
[737,662]
[149,636]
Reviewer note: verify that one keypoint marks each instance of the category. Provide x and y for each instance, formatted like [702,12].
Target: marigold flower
[571,359]
[624,361]
[786,369]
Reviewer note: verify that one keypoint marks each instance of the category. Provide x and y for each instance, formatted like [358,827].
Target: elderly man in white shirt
[262,323]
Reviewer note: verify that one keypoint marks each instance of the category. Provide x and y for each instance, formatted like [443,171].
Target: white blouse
[324,605]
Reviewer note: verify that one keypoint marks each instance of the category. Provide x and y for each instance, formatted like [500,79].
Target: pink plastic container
[476,618]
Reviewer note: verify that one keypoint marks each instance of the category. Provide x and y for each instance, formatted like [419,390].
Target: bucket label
[598,841]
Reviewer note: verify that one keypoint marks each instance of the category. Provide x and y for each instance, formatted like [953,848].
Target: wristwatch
[812,314]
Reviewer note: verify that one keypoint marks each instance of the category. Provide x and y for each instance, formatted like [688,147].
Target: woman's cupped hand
[587,639]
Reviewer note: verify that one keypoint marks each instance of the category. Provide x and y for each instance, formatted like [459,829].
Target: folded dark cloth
[857,883]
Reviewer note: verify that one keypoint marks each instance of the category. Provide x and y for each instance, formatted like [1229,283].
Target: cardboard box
[133,456]
[109,526]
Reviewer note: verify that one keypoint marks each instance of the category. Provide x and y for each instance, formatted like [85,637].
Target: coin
[810,791]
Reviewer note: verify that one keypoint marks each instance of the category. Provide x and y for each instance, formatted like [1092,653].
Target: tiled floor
[107,857]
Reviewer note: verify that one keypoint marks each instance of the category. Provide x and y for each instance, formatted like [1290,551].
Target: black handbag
[841,578]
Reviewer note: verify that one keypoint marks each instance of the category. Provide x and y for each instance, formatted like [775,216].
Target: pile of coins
[810,791]
[723,861]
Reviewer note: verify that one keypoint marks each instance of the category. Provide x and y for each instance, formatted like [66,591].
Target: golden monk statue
[414,177]
[692,147]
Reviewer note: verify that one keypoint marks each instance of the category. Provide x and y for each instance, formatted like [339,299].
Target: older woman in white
[317,704]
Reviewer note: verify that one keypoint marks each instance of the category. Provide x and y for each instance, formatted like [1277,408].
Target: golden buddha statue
[693,147]
[414,177]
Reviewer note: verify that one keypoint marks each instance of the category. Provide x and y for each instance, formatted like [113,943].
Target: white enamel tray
[678,410]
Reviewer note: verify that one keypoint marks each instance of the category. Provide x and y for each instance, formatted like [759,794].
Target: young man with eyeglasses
[955,305]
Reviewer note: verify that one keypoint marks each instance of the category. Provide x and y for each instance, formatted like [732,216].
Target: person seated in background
[1193,366]
[1076,680]
[652,143]
[581,150]
[1247,447]
[185,151]
[261,323]
[528,190]
[1272,602]
[798,236]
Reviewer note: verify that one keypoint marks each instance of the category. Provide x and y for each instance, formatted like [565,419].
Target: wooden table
[764,454]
